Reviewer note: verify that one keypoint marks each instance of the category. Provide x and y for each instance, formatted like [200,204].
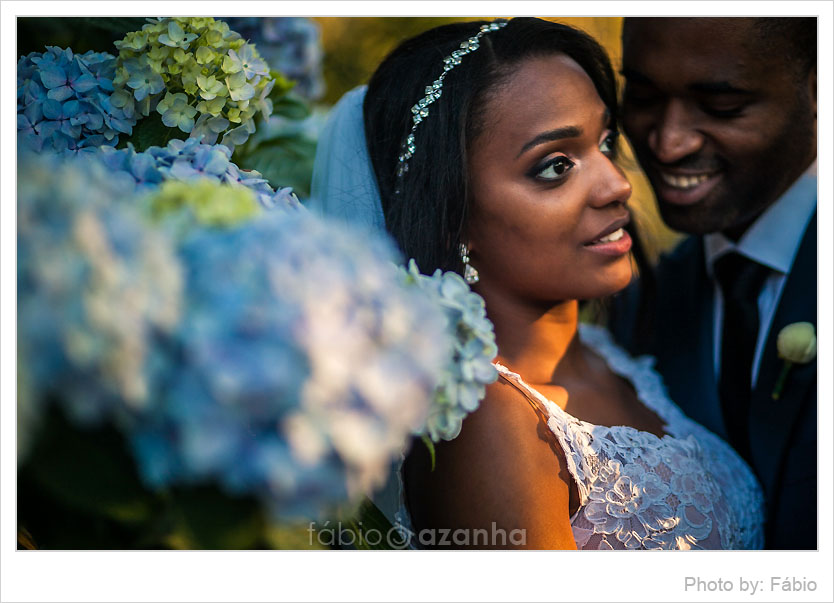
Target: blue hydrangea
[299,369]
[94,284]
[143,80]
[190,159]
[464,381]
[64,104]
[291,45]
[283,357]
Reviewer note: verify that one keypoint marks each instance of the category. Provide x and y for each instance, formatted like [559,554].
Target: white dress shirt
[772,240]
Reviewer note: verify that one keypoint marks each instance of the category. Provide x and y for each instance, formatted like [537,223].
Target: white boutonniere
[797,344]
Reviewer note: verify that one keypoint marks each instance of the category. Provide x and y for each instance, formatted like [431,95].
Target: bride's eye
[609,144]
[553,169]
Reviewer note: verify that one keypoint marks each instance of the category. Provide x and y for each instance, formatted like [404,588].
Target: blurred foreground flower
[465,378]
[189,161]
[94,282]
[209,202]
[305,366]
[281,357]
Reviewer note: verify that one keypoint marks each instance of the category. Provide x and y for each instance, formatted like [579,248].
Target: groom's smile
[684,188]
[719,139]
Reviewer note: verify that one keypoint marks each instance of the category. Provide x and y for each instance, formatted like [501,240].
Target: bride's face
[547,201]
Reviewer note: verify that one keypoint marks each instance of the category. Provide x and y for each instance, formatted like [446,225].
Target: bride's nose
[610,184]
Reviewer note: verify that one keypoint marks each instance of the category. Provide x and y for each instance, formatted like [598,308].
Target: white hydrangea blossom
[463,384]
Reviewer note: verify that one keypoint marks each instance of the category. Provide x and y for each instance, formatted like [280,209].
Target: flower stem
[780,382]
[430,445]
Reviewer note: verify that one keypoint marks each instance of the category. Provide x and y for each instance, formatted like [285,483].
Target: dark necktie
[741,280]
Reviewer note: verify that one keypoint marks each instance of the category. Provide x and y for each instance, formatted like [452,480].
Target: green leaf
[430,445]
[294,145]
[90,470]
[150,131]
[283,161]
[371,530]
[291,107]
[282,85]
[206,518]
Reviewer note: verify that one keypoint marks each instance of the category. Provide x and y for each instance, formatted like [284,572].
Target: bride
[490,149]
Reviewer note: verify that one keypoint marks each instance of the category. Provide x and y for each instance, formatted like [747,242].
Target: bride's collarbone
[605,400]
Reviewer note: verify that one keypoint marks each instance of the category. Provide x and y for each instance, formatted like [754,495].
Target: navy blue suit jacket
[677,328]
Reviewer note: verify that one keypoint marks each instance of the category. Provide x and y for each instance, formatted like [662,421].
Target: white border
[270,576]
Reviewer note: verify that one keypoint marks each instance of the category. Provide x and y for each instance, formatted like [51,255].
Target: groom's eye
[725,101]
[723,111]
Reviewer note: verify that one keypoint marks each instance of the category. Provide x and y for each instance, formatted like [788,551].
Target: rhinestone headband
[421,110]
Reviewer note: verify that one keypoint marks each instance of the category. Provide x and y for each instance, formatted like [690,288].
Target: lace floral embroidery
[637,491]
[629,503]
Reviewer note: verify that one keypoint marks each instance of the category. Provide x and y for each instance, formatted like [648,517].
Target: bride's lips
[684,188]
[612,240]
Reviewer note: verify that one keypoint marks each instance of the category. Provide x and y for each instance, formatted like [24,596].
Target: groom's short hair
[794,38]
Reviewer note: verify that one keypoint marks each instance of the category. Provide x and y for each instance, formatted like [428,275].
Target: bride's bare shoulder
[505,468]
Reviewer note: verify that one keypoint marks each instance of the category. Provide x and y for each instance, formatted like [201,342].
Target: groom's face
[721,123]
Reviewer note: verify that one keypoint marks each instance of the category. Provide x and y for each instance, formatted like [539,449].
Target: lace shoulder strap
[569,431]
[540,402]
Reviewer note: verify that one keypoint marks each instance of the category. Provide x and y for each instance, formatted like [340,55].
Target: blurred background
[341,53]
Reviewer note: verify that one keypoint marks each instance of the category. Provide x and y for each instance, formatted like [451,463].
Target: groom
[721,113]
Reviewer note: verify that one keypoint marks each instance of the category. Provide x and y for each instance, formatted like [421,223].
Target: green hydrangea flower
[176,112]
[204,201]
[192,70]
[135,41]
[209,87]
[239,87]
[176,36]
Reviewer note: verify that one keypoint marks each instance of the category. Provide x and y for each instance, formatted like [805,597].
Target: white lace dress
[686,490]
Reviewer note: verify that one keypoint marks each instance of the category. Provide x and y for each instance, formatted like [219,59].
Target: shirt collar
[773,239]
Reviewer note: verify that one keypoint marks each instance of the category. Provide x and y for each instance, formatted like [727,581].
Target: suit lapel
[684,351]
[771,421]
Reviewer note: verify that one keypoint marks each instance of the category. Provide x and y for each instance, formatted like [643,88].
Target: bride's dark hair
[426,209]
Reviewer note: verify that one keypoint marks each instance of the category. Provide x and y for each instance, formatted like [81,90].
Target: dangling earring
[470,275]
